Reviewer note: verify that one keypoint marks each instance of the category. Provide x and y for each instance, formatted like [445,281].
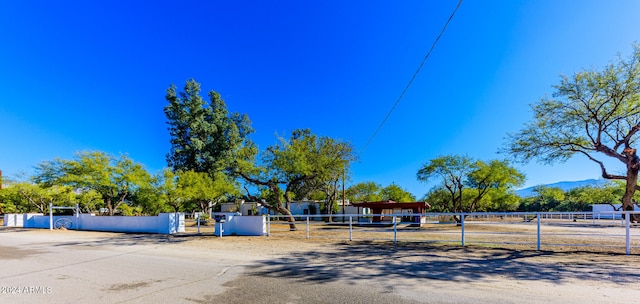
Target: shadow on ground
[126,239]
[367,261]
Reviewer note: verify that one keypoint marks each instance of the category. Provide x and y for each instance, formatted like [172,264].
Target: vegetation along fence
[563,231]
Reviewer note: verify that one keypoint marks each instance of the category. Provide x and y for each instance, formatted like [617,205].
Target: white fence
[535,229]
[164,223]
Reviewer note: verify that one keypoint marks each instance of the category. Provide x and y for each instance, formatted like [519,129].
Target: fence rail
[608,230]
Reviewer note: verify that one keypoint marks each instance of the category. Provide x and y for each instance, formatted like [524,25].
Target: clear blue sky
[92,75]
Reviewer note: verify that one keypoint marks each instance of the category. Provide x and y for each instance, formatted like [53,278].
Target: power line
[412,78]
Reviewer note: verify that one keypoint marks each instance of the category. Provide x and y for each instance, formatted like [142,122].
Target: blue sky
[92,75]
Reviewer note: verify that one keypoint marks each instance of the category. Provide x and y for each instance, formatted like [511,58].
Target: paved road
[87,267]
[74,267]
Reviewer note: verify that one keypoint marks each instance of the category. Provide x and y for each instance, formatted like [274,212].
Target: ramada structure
[379,209]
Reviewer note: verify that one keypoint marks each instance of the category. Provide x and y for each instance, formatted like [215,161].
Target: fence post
[77,216]
[268,224]
[462,225]
[307,226]
[198,219]
[395,230]
[50,216]
[538,231]
[627,215]
[350,228]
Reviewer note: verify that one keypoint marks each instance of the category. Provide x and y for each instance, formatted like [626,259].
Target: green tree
[200,191]
[149,198]
[89,200]
[115,179]
[494,179]
[451,170]
[469,185]
[396,193]
[497,200]
[25,197]
[300,165]
[594,113]
[579,199]
[169,190]
[545,199]
[364,192]
[439,199]
[205,137]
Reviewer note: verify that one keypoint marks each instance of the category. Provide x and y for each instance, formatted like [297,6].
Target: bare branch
[604,170]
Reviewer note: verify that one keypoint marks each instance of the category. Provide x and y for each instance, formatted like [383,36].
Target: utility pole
[343,193]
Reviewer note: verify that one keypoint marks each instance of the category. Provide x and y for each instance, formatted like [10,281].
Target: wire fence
[564,231]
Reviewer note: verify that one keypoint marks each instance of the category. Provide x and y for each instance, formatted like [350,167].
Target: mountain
[565,186]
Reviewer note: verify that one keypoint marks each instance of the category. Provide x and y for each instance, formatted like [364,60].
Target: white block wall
[164,223]
[242,225]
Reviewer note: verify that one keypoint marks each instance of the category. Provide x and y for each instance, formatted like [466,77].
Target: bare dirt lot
[555,235]
[75,266]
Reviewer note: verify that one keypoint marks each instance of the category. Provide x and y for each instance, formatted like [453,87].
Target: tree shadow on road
[368,260]
[125,239]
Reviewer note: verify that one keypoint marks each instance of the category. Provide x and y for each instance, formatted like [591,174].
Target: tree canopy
[115,179]
[467,185]
[205,137]
[198,191]
[301,164]
[577,199]
[364,192]
[372,192]
[594,113]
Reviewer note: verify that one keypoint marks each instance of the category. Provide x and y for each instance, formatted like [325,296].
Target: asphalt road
[86,267]
[98,268]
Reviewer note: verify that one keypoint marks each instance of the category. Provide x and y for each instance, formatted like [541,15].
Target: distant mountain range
[565,186]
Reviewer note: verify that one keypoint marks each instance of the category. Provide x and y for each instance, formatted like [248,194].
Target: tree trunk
[273,185]
[633,165]
[287,213]
[281,207]
[630,190]
[329,209]
[109,206]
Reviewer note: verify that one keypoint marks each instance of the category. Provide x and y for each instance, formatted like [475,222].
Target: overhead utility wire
[412,78]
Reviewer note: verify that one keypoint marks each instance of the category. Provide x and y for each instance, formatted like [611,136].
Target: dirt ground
[576,264]
[555,236]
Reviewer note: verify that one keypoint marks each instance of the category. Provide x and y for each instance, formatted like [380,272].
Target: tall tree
[496,177]
[115,179]
[205,137]
[396,193]
[364,192]
[451,170]
[594,113]
[469,183]
[295,167]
